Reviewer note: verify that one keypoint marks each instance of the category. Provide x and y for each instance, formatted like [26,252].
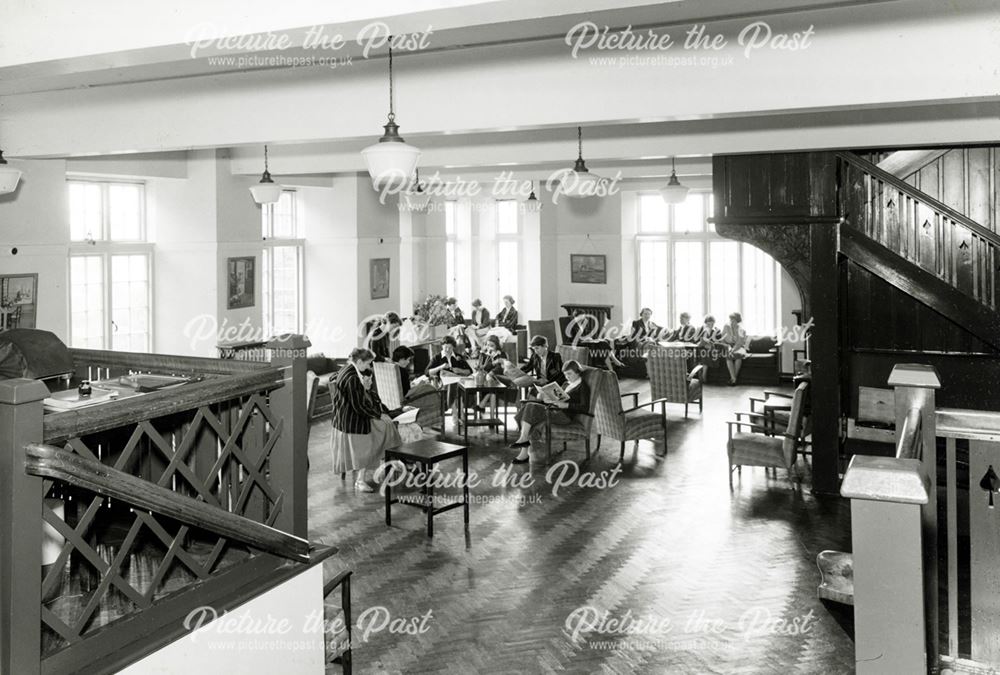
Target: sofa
[324,368]
[761,367]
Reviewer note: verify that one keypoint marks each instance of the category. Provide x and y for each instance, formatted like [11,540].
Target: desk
[468,388]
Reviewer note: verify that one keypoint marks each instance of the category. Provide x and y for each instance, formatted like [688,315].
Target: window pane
[507,269]
[450,268]
[84,211]
[653,283]
[86,280]
[279,220]
[449,218]
[125,211]
[652,213]
[130,302]
[507,217]
[724,279]
[281,289]
[759,311]
[689,287]
[711,211]
[689,215]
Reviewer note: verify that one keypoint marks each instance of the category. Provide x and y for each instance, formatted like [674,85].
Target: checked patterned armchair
[580,429]
[389,384]
[670,380]
[761,446]
[633,424]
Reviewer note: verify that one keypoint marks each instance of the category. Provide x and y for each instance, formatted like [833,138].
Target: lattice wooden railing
[152,505]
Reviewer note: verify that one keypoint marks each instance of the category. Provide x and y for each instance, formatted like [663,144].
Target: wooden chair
[670,380]
[776,407]
[759,446]
[580,428]
[546,328]
[338,643]
[632,424]
[571,353]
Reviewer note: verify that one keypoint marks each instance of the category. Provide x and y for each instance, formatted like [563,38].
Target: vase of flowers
[433,315]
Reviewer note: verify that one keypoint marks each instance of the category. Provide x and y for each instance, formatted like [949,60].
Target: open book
[408,416]
[552,393]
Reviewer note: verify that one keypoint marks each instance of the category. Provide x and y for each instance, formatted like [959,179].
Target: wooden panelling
[783,185]
[984,573]
[966,180]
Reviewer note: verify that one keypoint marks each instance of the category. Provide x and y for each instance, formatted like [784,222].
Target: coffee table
[426,453]
[467,391]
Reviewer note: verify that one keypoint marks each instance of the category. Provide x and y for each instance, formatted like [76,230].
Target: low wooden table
[467,390]
[427,453]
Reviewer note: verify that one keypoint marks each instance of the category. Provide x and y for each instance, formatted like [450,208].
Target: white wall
[216,648]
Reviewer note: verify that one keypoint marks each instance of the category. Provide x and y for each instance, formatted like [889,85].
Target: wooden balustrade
[167,501]
[924,231]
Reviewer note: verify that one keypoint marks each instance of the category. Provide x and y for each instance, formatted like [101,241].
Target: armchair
[632,424]
[545,328]
[580,429]
[579,354]
[389,385]
[761,446]
[670,380]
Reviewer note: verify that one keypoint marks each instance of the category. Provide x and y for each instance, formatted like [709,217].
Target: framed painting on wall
[379,270]
[240,288]
[18,307]
[588,269]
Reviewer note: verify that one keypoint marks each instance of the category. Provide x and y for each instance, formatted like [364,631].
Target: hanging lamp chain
[392,113]
[266,168]
[579,142]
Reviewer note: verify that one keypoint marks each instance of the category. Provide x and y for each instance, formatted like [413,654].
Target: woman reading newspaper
[569,401]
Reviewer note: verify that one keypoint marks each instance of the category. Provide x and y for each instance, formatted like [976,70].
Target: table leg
[388,492]
[465,485]
[429,501]
[465,419]
[505,421]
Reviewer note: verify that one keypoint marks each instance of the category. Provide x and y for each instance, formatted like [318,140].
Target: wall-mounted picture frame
[588,269]
[379,272]
[18,300]
[242,279]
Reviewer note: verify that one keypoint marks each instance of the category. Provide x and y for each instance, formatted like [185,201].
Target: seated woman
[402,356]
[449,362]
[707,338]
[362,429]
[507,318]
[491,362]
[381,335]
[534,413]
[736,341]
[479,327]
[685,332]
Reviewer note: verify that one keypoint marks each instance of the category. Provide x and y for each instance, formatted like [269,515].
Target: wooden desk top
[426,450]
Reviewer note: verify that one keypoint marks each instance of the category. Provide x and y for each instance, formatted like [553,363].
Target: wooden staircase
[920,245]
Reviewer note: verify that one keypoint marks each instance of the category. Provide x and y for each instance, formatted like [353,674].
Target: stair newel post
[20,528]
[915,386]
[289,457]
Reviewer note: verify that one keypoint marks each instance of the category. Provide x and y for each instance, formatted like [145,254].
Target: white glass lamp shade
[266,192]
[415,200]
[580,184]
[390,162]
[9,178]
[674,192]
[532,204]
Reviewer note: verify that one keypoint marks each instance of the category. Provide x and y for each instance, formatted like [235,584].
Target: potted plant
[433,314]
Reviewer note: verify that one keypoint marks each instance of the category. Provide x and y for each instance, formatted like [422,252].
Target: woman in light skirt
[362,429]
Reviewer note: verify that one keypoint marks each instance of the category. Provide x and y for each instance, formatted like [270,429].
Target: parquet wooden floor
[719,576]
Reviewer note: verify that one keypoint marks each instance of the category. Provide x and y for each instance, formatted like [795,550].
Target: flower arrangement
[432,311]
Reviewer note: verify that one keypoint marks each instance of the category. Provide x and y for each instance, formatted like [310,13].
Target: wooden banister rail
[923,198]
[63,425]
[909,445]
[161,363]
[50,462]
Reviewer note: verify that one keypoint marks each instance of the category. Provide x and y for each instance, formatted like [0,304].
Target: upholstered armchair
[546,328]
[581,428]
[632,424]
[760,446]
[389,385]
[571,353]
[670,380]
[776,406]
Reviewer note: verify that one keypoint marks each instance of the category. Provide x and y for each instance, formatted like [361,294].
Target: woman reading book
[534,413]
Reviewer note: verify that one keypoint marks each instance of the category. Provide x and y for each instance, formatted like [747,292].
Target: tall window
[281,268]
[684,266]
[451,247]
[508,249]
[109,266]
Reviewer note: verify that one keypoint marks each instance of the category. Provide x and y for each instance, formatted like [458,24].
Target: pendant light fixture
[266,191]
[416,199]
[580,183]
[674,192]
[532,204]
[9,176]
[392,158]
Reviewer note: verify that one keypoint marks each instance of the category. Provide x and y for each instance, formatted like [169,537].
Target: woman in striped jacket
[362,429]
